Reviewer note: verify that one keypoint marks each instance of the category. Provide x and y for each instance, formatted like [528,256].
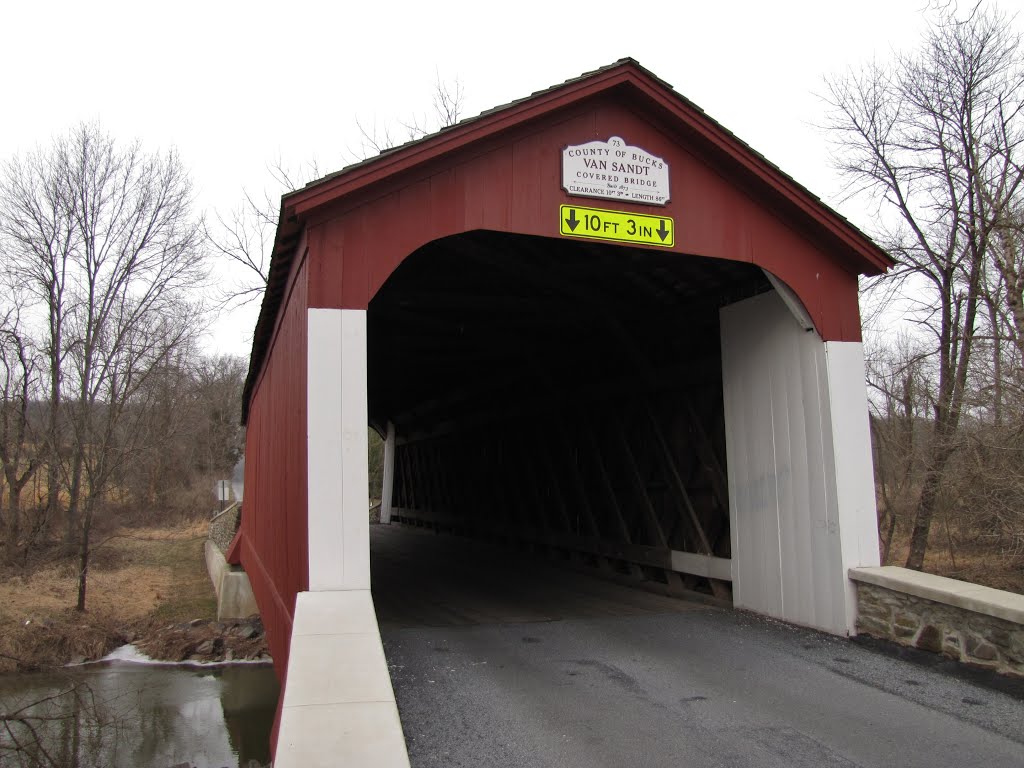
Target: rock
[872,626]
[951,646]
[204,648]
[246,632]
[1000,637]
[905,625]
[930,639]
[229,656]
[981,649]
[198,622]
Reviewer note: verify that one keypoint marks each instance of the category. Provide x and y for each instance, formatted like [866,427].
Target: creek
[124,714]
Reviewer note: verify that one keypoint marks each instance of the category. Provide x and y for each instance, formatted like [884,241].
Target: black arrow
[662,231]
[573,222]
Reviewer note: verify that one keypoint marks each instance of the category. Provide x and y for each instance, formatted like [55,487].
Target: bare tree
[899,385]
[38,236]
[65,724]
[1006,286]
[19,448]
[934,139]
[191,415]
[243,237]
[104,237]
[448,103]
[111,413]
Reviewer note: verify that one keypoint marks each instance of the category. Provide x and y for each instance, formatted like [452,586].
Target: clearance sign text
[618,226]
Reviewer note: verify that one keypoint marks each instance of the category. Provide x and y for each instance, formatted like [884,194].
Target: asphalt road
[506,662]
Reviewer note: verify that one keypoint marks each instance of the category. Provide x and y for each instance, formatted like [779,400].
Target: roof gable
[625,76]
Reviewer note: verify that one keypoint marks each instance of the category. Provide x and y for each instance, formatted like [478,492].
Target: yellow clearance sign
[620,226]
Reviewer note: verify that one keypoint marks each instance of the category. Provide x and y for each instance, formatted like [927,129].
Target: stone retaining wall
[965,622]
[224,525]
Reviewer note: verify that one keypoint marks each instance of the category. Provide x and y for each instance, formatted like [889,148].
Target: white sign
[613,169]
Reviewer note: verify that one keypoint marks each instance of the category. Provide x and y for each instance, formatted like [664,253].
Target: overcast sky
[236,85]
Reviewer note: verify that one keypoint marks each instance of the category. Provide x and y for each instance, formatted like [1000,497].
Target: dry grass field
[139,578]
[966,562]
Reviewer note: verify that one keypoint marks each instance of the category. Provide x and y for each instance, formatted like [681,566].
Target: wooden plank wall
[620,485]
[782,474]
[274,529]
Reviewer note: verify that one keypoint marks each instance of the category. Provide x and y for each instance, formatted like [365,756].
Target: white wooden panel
[794,412]
[855,477]
[388,484]
[791,300]
[355,499]
[339,535]
[323,435]
[702,565]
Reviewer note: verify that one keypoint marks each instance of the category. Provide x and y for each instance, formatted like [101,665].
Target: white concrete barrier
[235,599]
[339,707]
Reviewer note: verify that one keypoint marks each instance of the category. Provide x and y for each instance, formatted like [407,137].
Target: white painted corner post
[338,476]
[855,471]
[388,479]
[342,712]
[801,482]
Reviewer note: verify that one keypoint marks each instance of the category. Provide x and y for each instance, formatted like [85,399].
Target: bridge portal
[592,322]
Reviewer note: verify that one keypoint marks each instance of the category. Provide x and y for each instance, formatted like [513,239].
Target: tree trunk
[929,498]
[923,522]
[887,543]
[13,530]
[53,490]
[13,521]
[83,559]
[53,426]
[71,532]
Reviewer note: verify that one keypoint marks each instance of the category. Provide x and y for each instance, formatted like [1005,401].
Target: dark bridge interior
[560,395]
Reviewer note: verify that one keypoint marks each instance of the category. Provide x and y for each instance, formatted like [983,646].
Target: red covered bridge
[593,320]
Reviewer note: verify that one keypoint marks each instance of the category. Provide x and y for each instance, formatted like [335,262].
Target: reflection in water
[122,714]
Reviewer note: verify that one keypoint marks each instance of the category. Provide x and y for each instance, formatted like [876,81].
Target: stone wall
[960,633]
[224,525]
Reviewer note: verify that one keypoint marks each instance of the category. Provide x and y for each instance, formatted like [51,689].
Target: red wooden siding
[273,533]
[515,186]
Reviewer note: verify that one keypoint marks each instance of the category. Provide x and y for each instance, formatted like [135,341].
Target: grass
[139,578]
[964,561]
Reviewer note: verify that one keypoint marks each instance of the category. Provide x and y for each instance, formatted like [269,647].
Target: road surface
[498,661]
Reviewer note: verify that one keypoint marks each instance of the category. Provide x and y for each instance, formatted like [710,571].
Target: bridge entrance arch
[562,396]
[684,401]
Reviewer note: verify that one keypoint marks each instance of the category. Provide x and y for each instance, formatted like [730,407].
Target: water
[120,714]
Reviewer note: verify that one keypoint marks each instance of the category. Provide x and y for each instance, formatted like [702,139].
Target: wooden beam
[706,453]
[634,470]
[655,557]
[544,458]
[676,481]
[602,472]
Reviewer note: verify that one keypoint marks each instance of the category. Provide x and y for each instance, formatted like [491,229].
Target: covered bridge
[592,320]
